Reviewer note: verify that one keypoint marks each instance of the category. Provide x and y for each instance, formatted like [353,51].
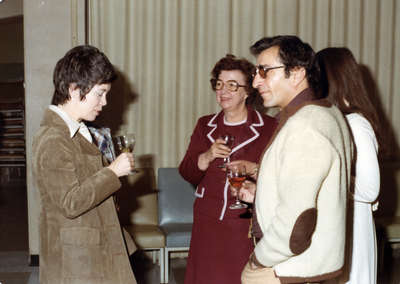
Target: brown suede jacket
[80,235]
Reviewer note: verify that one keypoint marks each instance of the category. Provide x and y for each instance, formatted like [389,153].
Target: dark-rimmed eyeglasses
[231,85]
[263,70]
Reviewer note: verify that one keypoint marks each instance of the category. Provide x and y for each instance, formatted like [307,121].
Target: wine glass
[236,175]
[229,143]
[126,144]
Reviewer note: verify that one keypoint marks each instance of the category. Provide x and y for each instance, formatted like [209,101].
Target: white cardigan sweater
[301,196]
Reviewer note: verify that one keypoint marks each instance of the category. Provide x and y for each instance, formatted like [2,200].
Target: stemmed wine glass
[126,144]
[236,175]
[229,143]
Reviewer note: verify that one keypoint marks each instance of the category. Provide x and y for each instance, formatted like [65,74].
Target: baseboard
[34,260]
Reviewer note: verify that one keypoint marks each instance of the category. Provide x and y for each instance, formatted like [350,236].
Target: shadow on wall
[132,198]
[389,197]
[138,191]
[390,148]
[388,153]
[121,96]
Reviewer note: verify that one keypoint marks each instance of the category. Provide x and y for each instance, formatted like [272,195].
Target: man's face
[275,87]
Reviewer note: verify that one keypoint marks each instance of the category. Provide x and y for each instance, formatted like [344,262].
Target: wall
[165,51]
[12,41]
[11,47]
[51,28]
[10,8]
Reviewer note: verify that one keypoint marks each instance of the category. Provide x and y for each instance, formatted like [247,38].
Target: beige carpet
[13,217]
[15,269]
[14,277]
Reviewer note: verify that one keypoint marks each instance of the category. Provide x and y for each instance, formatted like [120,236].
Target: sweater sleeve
[303,161]
[188,168]
[367,180]
[56,173]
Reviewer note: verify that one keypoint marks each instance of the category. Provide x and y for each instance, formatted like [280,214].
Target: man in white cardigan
[300,203]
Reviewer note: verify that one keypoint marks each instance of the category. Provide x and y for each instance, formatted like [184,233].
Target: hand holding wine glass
[126,144]
[246,193]
[123,164]
[236,175]
[228,139]
[251,168]
[219,149]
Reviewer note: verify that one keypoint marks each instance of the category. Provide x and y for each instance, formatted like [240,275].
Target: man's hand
[246,192]
[251,168]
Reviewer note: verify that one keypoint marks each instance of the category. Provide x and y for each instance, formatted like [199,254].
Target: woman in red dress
[220,245]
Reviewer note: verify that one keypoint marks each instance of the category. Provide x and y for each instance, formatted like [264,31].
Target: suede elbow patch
[300,239]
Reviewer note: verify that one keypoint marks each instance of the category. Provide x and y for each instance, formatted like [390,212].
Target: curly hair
[231,62]
[84,66]
[293,52]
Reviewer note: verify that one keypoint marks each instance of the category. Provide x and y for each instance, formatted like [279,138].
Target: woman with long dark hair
[343,83]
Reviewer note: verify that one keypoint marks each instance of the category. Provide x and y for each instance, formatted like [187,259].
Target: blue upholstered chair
[175,210]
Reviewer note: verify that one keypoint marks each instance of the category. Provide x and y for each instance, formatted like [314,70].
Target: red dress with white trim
[220,246]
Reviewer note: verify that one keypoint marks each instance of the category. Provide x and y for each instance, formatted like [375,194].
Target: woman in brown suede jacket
[81,240]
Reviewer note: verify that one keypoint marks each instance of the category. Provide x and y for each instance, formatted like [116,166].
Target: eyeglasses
[263,70]
[231,85]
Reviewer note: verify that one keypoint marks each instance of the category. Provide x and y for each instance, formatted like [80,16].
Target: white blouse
[366,191]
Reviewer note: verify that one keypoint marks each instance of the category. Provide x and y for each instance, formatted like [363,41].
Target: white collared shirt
[73,125]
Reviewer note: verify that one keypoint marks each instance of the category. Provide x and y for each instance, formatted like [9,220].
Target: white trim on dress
[212,124]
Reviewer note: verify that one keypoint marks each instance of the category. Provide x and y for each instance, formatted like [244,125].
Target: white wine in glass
[126,144]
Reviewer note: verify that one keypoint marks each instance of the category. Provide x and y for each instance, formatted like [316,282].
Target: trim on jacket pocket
[80,236]
[82,255]
[200,195]
[83,263]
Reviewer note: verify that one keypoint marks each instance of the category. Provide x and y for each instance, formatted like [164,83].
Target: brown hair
[84,66]
[342,82]
[293,52]
[231,62]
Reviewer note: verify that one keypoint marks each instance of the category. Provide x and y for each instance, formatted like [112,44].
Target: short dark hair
[231,62]
[84,66]
[293,52]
